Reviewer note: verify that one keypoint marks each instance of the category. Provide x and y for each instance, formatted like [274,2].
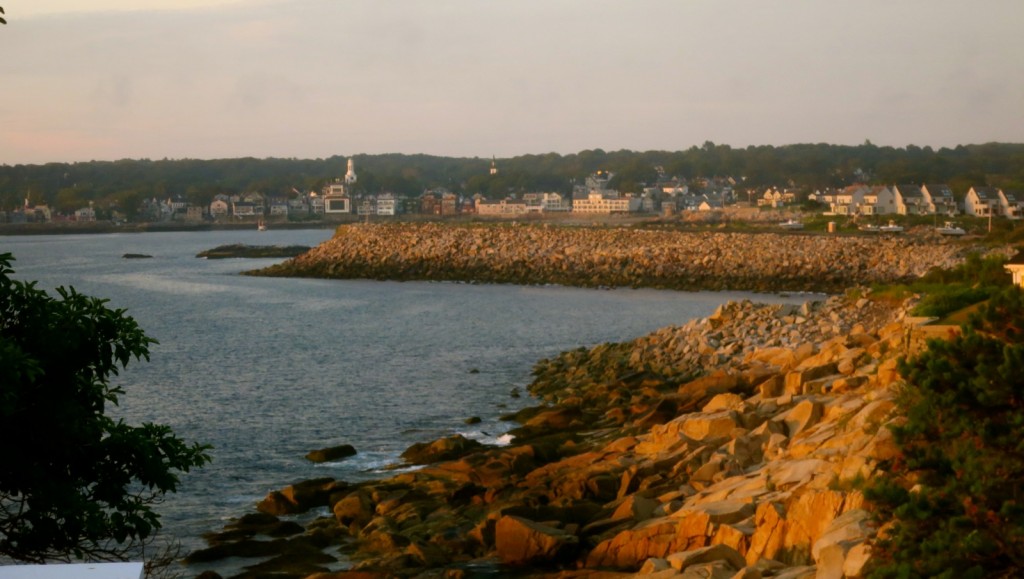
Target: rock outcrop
[241,250]
[724,447]
[616,257]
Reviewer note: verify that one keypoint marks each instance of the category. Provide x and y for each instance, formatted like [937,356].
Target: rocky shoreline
[728,447]
[725,447]
[618,257]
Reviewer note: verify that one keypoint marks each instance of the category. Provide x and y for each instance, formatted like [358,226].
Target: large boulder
[355,509]
[831,550]
[652,538]
[449,448]
[520,541]
[300,497]
[680,561]
[331,453]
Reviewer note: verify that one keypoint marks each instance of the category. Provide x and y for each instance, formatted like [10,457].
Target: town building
[220,206]
[546,202]
[940,199]
[337,196]
[503,208]
[878,200]
[1011,204]
[387,204]
[910,200]
[982,202]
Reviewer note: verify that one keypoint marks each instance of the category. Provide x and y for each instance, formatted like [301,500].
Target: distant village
[666,197]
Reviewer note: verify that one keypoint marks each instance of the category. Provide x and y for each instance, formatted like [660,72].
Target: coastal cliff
[617,257]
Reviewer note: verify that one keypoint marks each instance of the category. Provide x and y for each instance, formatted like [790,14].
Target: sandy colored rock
[520,541]
[681,561]
[802,416]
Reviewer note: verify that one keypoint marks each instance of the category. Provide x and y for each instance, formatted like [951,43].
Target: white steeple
[350,175]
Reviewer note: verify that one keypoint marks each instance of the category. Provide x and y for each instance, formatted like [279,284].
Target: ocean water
[267,369]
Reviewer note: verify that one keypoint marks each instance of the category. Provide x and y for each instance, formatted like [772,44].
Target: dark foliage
[807,166]
[949,290]
[954,493]
[74,482]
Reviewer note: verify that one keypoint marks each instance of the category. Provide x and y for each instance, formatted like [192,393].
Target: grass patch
[950,294]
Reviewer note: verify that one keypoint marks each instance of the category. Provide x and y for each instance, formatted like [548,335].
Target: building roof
[1013,196]
[986,193]
[909,190]
[939,190]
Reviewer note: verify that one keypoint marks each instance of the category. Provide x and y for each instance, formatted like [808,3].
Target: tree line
[68,186]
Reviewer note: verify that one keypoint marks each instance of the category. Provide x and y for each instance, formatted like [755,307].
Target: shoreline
[710,437]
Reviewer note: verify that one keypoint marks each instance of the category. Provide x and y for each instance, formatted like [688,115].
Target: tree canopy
[807,166]
[74,482]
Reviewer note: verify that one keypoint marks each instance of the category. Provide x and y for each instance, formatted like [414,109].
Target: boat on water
[891,228]
[869,228]
[791,224]
[950,228]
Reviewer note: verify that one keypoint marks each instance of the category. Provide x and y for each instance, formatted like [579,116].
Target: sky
[85,80]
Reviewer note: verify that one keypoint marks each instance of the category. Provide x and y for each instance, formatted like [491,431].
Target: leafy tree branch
[75,483]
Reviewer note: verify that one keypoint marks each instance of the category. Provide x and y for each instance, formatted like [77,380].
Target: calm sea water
[267,369]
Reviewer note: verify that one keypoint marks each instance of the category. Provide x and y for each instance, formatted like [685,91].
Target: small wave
[488,438]
[368,461]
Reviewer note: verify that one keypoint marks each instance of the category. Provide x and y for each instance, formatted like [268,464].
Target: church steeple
[350,175]
[494,167]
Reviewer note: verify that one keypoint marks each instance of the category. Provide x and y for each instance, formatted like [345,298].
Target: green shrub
[954,491]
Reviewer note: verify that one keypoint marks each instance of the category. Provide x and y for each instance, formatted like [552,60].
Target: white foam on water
[492,437]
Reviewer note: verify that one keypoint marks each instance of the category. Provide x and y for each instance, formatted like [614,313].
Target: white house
[605,202]
[85,214]
[1016,268]
[545,202]
[982,202]
[910,200]
[878,200]
[387,204]
[1012,204]
[849,200]
[940,198]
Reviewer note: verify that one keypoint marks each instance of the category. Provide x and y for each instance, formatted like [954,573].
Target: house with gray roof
[982,202]
[910,200]
[940,198]
[1011,204]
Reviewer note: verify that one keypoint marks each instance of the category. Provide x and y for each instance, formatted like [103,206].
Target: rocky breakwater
[725,447]
[616,257]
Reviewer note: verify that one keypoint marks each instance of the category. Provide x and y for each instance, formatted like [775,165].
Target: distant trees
[74,482]
[808,166]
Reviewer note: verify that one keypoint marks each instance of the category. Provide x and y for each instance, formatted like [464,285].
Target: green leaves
[74,483]
[962,451]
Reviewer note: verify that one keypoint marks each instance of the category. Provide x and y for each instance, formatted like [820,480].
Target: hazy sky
[103,79]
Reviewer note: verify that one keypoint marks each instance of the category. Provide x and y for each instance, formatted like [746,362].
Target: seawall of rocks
[725,448]
[617,257]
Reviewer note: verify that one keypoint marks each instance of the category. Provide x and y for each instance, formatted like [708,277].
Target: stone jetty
[617,257]
[727,447]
